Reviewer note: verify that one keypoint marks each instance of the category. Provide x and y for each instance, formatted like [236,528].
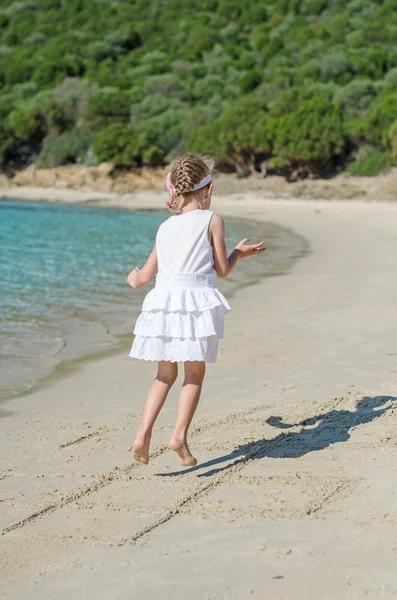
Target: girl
[182,317]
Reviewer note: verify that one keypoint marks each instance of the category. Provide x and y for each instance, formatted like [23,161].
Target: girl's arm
[223,264]
[138,278]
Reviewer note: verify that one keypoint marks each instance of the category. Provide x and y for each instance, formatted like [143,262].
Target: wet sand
[295,492]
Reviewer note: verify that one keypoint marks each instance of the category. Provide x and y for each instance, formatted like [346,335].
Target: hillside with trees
[287,86]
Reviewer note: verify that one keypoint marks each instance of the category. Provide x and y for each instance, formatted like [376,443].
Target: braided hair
[187,172]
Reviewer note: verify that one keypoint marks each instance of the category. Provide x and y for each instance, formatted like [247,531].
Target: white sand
[308,512]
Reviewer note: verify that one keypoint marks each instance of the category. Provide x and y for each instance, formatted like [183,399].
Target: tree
[311,135]
[175,75]
[118,144]
[234,135]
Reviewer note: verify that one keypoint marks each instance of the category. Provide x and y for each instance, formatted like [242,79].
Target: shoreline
[76,357]
[294,434]
[95,185]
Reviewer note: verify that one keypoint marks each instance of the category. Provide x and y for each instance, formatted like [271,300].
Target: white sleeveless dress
[182,317]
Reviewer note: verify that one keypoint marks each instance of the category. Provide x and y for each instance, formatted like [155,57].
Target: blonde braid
[186,173]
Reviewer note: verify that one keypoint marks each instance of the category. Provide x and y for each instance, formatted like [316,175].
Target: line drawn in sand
[312,434]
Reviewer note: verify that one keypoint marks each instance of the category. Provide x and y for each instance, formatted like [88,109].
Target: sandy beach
[295,493]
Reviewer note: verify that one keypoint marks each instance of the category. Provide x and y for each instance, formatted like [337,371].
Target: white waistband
[185,280]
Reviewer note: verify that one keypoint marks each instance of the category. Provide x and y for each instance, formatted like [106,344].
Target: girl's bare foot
[181,448]
[141,450]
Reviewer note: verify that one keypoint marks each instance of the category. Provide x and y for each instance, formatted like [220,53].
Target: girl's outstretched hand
[244,249]
[132,278]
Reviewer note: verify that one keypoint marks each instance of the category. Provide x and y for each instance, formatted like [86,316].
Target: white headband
[202,183]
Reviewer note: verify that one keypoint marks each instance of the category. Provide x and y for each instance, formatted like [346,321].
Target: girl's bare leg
[166,375]
[188,401]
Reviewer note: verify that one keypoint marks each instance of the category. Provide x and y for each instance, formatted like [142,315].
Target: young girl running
[182,317]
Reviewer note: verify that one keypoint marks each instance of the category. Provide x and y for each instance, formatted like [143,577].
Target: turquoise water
[63,291]
[62,285]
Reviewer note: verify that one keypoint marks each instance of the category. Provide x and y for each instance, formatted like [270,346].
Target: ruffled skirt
[181,320]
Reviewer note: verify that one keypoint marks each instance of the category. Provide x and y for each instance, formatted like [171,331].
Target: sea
[63,290]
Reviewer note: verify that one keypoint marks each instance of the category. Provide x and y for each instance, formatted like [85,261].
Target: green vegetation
[369,162]
[290,86]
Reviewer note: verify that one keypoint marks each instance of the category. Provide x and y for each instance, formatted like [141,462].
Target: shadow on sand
[315,433]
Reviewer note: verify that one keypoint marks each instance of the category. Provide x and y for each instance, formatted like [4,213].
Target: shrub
[153,157]
[201,39]
[154,57]
[195,70]
[356,96]
[392,141]
[5,51]
[313,134]
[151,106]
[165,130]
[368,163]
[154,63]
[276,162]
[38,101]
[8,146]
[27,126]
[15,7]
[246,61]
[250,80]
[73,96]
[16,68]
[50,72]
[355,39]
[260,36]
[254,13]
[310,70]
[312,50]
[4,20]
[123,42]
[355,129]
[166,85]
[23,91]
[199,116]
[207,87]
[271,49]
[118,144]
[136,95]
[382,113]
[391,76]
[313,7]
[288,101]
[69,147]
[368,62]
[235,134]
[336,66]
[216,61]
[34,39]
[108,106]
[56,119]
[19,27]
[98,50]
